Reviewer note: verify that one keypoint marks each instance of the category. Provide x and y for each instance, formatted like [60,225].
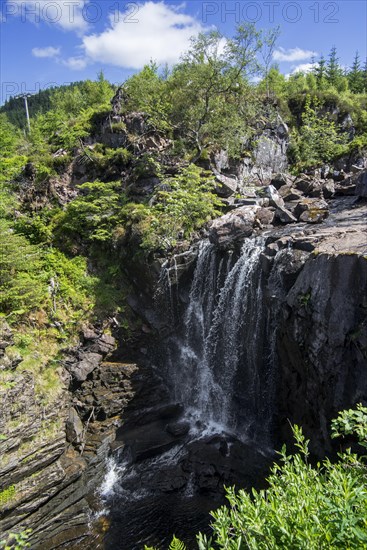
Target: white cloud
[75,63]
[70,15]
[162,33]
[49,51]
[293,54]
[303,68]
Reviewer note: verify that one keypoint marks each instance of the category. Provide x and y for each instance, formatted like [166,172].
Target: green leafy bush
[93,214]
[188,204]
[22,285]
[16,541]
[318,141]
[305,507]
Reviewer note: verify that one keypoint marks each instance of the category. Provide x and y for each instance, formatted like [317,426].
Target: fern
[177,544]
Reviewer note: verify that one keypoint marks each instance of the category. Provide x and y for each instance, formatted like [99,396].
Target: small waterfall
[223,354]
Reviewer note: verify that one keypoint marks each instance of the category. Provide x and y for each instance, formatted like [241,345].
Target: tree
[267,50]
[320,73]
[147,92]
[365,77]
[21,286]
[355,76]
[208,88]
[11,163]
[318,140]
[334,72]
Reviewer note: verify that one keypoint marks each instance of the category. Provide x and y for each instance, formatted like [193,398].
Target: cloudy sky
[49,42]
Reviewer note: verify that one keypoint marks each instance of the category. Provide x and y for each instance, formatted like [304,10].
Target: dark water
[220,363]
[153,521]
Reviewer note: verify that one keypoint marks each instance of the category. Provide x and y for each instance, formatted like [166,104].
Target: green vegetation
[90,192]
[187,202]
[16,541]
[305,506]
[7,494]
[321,506]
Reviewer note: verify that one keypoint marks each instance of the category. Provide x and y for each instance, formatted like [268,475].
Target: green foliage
[107,162]
[70,290]
[147,93]
[7,494]
[351,422]
[188,204]
[36,227]
[176,544]
[20,266]
[16,541]
[93,214]
[318,140]
[311,507]
[11,163]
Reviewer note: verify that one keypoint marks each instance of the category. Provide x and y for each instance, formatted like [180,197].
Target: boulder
[280,180]
[6,335]
[233,227]
[312,210]
[227,186]
[269,192]
[289,193]
[89,334]
[284,215]
[361,184]
[88,362]
[311,187]
[103,345]
[245,202]
[265,215]
[178,429]
[339,175]
[328,189]
[74,428]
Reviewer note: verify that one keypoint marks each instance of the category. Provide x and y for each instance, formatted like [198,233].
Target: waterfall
[223,356]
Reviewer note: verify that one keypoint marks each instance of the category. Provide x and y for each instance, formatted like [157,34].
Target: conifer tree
[355,76]
[333,69]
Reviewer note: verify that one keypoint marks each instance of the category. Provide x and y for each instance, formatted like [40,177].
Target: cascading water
[225,345]
[220,364]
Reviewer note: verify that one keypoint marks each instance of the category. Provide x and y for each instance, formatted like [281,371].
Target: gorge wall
[259,321]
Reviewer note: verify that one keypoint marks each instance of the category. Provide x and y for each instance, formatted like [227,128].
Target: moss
[304,299]
[118,127]
[7,495]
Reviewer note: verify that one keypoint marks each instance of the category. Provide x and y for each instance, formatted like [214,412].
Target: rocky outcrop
[322,329]
[233,227]
[318,270]
[361,185]
[323,344]
[53,455]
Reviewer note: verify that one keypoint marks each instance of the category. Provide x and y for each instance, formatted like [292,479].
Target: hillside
[125,210]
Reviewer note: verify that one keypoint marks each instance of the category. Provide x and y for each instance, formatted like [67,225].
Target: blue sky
[49,42]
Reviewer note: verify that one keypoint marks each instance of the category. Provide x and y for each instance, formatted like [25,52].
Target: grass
[40,351]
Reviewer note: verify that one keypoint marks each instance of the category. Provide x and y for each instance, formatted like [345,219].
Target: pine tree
[355,76]
[320,72]
[364,77]
[333,70]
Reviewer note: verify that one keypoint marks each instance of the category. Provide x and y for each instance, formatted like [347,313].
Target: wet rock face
[322,344]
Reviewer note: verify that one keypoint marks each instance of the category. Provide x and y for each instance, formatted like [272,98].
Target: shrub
[305,507]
